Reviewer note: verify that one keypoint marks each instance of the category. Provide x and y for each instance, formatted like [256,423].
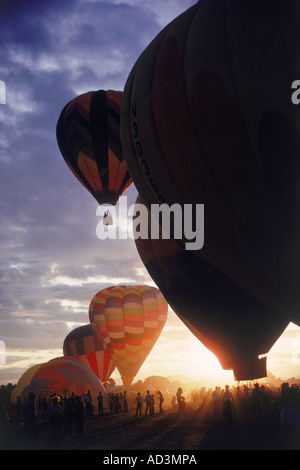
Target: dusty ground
[194,431]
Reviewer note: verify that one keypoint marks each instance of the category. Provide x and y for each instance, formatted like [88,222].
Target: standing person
[29,413]
[68,414]
[148,402]
[227,404]
[79,416]
[45,405]
[183,405]
[152,405]
[256,399]
[180,400]
[290,417]
[18,406]
[125,401]
[100,403]
[54,414]
[88,404]
[138,404]
[160,400]
[117,403]
[111,402]
[216,400]
[173,402]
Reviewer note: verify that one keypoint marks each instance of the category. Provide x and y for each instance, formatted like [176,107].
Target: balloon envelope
[84,344]
[88,135]
[128,321]
[207,117]
[23,381]
[231,323]
[64,375]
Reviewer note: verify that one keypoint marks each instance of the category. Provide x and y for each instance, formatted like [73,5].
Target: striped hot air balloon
[23,381]
[88,135]
[84,344]
[64,375]
[128,321]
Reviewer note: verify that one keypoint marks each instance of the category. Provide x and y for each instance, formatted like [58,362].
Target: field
[193,431]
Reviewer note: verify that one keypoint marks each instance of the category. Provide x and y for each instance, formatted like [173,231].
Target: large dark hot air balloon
[128,321]
[88,135]
[207,118]
[231,323]
[83,344]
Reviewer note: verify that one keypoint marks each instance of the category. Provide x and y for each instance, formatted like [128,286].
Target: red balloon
[64,375]
[84,344]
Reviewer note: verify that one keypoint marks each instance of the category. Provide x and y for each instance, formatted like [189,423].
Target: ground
[192,431]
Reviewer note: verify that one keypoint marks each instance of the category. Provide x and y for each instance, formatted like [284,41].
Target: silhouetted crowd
[245,401]
[64,415]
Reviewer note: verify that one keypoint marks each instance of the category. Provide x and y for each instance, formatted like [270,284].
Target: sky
[52,263]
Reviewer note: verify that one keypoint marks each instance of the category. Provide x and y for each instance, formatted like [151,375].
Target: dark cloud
[51,262]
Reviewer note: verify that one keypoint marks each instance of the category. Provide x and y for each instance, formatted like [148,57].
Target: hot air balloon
[128,321]
[230,322]
[84,344]
[23,381]
[64,375]
[207,118]
[88,135]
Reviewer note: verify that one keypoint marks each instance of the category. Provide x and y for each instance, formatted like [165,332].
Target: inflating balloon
[88,135]
[208,118]
[23,381]
[128,321]
[84,344]
[64,375]
[231,323]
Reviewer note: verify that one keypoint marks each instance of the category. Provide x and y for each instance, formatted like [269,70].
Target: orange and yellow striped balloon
[128,321]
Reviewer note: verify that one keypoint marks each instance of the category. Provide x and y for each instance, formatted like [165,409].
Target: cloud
[51,261]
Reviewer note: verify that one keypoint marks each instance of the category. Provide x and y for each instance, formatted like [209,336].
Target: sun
[206,368]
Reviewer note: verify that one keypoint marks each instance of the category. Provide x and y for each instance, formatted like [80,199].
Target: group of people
[231,403]
[117,402]
[224,402]
[228,402]
[149,402]
[290,414]
[65,413]
[61,413]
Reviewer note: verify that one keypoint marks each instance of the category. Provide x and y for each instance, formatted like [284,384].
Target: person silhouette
[148,402]
[138,404]
[160,401]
